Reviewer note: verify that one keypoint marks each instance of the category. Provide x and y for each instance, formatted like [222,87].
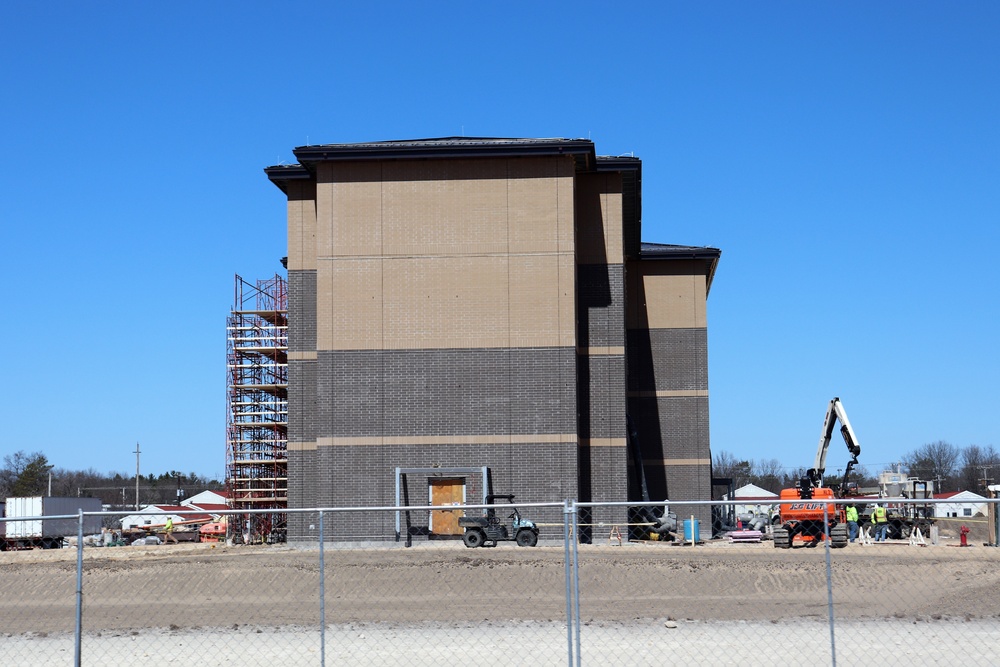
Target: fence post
[994,517]
[829,582]
[569,585]
[322,596]
[576,578]
[78,632]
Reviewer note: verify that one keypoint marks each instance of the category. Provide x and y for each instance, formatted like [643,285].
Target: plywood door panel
[446,492]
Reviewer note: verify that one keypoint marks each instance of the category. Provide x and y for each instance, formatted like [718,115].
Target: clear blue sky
[845,156]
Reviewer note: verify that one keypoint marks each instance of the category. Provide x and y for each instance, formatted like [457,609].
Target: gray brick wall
[302,415]
[600,305]
[672,427]
[302,302]
[446,392]
[365,476]
[602,380]
[668,359]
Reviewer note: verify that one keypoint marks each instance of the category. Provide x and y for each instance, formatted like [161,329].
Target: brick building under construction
[473,314]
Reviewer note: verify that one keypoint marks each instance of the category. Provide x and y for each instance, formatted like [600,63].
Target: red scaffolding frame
[257,409]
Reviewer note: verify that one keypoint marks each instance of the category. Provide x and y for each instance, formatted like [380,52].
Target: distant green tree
[33,479]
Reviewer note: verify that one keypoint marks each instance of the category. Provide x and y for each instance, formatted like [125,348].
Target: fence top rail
[892,500]
[12,519]
[565,505]
[304,510]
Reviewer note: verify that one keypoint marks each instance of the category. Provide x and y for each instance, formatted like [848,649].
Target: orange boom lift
[801,518]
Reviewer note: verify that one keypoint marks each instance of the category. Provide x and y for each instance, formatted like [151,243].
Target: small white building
[207,504]
[751,497]
[960,504]
[208,501]
[154,515]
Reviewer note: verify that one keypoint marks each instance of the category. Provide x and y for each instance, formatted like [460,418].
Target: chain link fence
[659,589]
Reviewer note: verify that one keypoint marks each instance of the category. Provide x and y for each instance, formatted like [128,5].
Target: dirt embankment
[195,585]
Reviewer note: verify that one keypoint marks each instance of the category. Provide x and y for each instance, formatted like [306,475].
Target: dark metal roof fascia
[582,150]
[618,163]
[666,251]
[281,174]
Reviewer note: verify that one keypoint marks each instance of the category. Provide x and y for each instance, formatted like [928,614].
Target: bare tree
[980,466]
[770,475]
[934,461]
[727,465]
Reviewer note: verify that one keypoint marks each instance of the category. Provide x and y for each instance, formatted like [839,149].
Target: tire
[838,536]
[780,537]
[473,538]
[526,538]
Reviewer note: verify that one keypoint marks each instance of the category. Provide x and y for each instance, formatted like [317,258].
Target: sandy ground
[440,603]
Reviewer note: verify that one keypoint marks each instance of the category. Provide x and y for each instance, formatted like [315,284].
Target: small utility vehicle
[486,531]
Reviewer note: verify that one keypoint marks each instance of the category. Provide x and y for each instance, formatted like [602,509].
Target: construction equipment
[486,531]
[808,516]
[904,519]
[834,412]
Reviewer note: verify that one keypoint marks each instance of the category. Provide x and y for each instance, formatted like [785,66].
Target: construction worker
[168,530]
[881,523]
[852,522]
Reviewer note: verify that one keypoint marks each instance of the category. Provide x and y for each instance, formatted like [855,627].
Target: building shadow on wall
[646,482]
[594,314]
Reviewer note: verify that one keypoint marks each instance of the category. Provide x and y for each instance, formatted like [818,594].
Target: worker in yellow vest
[852,522]
[881,522]
[168,531]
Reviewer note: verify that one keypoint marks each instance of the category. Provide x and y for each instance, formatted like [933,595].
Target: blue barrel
[690,530]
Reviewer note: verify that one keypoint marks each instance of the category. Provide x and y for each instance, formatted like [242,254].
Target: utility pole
[136,476]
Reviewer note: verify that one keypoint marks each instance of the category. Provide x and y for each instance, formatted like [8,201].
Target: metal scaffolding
[257,409]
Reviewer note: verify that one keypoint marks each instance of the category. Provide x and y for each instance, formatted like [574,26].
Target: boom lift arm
[833,413]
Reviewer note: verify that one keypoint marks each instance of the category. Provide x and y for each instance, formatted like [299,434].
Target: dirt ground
[198,585]
[441,603]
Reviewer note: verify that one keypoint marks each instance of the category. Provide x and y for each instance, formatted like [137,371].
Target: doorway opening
[445,492]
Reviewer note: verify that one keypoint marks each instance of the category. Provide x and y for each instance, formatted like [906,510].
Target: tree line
[952,468]
[30,474]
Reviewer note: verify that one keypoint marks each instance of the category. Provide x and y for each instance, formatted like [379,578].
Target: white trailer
[29,522]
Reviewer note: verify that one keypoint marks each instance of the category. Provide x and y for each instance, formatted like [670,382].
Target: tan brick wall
[599,226]
[349,304]
[439,302]
[301,225]
[446,254]
[667,295]
[540,206]
[349,209]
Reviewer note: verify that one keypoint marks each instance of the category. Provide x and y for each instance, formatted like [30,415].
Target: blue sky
[845,156]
